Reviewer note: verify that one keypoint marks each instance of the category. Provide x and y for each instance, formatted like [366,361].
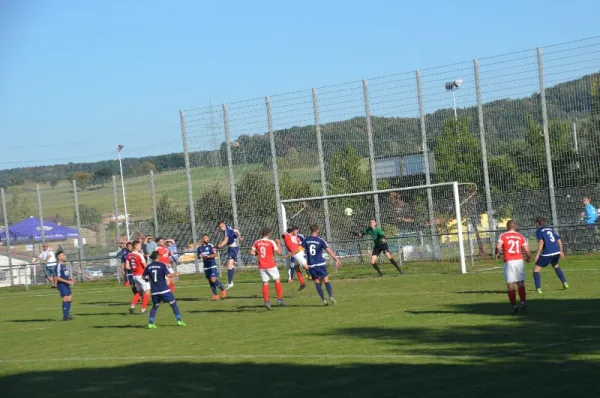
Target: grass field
[417,335]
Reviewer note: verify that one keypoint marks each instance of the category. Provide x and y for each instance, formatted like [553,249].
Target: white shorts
[268,274]
[140,284]
[514,271]
[299,258]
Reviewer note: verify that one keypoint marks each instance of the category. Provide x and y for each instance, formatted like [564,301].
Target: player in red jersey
[265,249]
[137,263]
[293,242]
[163,257]
[513,244]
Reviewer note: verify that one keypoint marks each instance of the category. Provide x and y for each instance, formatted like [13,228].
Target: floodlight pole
[454,105]
[119,148]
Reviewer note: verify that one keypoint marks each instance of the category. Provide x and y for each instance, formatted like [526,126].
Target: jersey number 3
[551,236]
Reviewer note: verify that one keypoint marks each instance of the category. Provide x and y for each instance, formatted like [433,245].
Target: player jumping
[316,263]
[231,240]
[207,253]
[158,273]
[513,244]
[265,250]
[63,284]
[293,242]
[550,251]
[137,263]
[379,246]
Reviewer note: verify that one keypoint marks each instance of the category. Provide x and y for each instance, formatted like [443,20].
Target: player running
[158,273]
[208,254]
[293,242]
[379,246]
[550,251]
[137,263]
[165,258]
[265,250]
[513,244]
[231,240]
[317,265]
[63,284]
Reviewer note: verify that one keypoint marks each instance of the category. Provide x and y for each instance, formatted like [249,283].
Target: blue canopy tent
[30,229]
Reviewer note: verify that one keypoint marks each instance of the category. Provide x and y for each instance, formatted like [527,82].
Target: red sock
[512,295]
[265,288]
[279,290]
[145,300]
[522,294]
[300,277]
[136,298]
[172,288]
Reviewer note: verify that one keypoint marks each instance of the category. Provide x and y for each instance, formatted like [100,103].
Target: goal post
[405,217]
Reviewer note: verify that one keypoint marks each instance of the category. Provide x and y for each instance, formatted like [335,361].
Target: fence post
[8,249]
[484,159]
[275,169]
[540,60]
[41,213]
[371,150]
[230,167]
[321,163]
[78,220]
[116,209]
[426,166]
[188,177]
[153,194]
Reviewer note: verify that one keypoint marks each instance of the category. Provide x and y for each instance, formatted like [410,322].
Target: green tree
[53,182]
[18,206]
[89,215]
[168,213]
[214,204]
[102,175]
[145,168]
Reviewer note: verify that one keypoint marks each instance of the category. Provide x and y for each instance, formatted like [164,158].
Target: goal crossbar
[456,197]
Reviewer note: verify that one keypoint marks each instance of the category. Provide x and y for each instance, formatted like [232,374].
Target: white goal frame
[457,204]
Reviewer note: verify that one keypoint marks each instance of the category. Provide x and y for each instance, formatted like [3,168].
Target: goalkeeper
[379,246]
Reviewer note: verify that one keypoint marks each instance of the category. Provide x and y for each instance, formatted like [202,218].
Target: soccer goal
[423,223]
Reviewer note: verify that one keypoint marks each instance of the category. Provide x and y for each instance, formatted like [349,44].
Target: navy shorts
[130,279]
[318,272]
[50,270]
[211,272]
[545,261]
[162,298]
[232,253]
[64,289]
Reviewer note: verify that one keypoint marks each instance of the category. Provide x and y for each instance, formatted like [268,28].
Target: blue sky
[79,77]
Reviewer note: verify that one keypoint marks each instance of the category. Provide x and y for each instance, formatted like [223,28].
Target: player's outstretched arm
[173,274]
[560,245]
[223,242]
[338,263]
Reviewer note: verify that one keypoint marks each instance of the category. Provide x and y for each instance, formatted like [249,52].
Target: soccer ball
[348,211]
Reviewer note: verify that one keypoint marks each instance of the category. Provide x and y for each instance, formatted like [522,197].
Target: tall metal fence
[523,128]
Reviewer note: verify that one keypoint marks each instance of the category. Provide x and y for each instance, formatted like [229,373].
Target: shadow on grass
[482,292]
[102,313]
[120,326]
[33,320]
[106,303]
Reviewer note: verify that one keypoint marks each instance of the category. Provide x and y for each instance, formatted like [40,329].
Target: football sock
[172,287]
[145,300]
[291,272]
[522,294]
[395,264]
[279,290]
[153,312]
[300,277]
[219,285]
[320,290]
[329,289]
[136,299]
[376,266]
[230,273]
[265,290]
[538,280]
[175,309]
[512,295]
[560,274]
[213,287]
[65,309]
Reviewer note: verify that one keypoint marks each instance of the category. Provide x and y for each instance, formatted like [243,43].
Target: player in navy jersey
[63,284]
[231,241]
[550,251]
[208,254]
[157,273]
[125,266]
[314,246]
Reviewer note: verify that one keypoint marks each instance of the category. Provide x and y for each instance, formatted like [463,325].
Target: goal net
[430,228]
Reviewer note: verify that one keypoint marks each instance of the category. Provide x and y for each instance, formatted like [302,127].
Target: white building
[21,272]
